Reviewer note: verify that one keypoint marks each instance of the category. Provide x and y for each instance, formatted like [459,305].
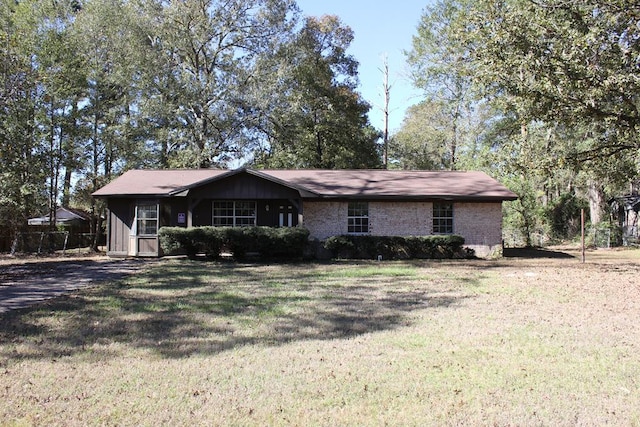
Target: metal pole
[40,244]
[66,239]
[582,228]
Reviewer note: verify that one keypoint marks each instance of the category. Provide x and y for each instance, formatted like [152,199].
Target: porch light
[266,208]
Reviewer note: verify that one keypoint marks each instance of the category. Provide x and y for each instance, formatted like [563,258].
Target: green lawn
[509,342]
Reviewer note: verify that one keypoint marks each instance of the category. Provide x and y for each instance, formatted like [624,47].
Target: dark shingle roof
[155,182]
[394,183]
[322,183]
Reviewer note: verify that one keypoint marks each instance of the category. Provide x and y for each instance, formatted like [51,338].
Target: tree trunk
[454,143]
[316,132]
[597,202]
[68,154]
[164,153]
[14,242]
[66,187]
[53,155]
[94,176]
[96,236]
[318,150]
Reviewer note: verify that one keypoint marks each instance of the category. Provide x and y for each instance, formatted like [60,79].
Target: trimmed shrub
[284,243]
[210,241]
[341,246]
[240,240]
[173,240]
[267,242]
[290,243]
[190,241]
[396,247]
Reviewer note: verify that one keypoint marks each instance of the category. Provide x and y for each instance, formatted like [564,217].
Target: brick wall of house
[325,219]
[479,223]
[400,219]
[481,226]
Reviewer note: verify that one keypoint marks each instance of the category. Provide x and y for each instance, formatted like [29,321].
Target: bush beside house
[396,247]
[267,242]
[293,243]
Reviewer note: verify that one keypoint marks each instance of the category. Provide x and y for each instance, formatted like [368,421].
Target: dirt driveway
[31,281]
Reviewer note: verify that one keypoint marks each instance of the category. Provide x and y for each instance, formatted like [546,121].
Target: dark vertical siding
[119,226]
[244,187]
[170,210]
[164,214]
[202,213]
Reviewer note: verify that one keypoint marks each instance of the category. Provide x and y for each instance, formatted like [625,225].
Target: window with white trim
[234,213]
[443,218]
[147,219]
[358,218]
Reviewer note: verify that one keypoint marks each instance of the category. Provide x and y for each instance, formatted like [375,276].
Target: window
[358,218]
[234,213]
[147,219]
[442,218]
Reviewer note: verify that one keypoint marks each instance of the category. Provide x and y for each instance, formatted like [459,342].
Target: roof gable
[242,184]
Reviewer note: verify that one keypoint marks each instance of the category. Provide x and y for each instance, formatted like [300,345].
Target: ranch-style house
[326,202]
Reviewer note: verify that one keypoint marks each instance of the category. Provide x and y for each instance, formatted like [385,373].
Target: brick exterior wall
[400,219]
[479,223]
[481,226]
[325,219]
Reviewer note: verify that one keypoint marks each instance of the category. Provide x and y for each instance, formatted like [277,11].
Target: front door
[285,216]
[144,231]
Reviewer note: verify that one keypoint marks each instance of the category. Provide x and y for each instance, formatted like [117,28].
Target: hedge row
[421,247]
[268,242]
[291,243]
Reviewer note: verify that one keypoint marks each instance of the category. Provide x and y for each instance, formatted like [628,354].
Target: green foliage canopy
[90,89]
[320,120]
[569,61]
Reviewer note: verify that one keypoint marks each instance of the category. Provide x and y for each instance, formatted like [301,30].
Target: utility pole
[386,88]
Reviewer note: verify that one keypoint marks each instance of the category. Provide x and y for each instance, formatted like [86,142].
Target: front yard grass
[507,342]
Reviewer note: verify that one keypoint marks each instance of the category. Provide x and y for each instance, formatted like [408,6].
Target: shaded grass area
[178,309]
[524,341]
[534,253]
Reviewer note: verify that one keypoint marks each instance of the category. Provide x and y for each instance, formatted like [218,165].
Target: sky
[381,28]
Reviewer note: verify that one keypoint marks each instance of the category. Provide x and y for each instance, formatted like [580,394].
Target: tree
[441,70]
[421,141]
[561,82]
[567,61]
[21,172]
[208,50]
[320,120]
[61,84]
[529,160]
[104,33]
